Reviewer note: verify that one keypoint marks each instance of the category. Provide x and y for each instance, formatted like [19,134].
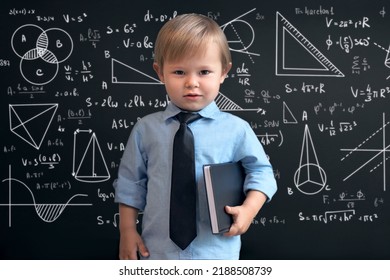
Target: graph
[47,212]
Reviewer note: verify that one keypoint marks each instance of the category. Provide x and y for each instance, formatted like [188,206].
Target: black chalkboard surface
[311,77]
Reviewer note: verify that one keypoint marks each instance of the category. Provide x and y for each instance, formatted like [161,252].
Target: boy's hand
[130,240]
[243,215]
[241,220]
[131,243]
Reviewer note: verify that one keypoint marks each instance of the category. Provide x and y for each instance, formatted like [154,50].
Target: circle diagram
[41,51]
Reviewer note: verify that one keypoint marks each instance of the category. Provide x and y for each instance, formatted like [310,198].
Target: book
[224,186]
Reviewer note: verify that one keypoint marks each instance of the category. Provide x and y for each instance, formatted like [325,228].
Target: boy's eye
[204,72]
[179,72]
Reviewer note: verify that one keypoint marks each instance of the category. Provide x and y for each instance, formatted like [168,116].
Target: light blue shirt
[144,177]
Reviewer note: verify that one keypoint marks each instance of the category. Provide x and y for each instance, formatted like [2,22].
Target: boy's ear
[225,72]
[158,70]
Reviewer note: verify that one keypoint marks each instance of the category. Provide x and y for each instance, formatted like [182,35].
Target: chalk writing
[311,80]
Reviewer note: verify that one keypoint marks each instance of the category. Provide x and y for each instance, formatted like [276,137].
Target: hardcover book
[224,186]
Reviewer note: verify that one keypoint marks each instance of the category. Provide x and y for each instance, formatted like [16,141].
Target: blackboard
[311,77]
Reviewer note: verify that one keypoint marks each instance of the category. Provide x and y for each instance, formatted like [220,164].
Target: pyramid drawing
[31,121]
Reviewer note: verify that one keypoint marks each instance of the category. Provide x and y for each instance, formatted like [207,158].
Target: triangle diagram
[31,121]
[297,56]
[125,74]
[288,116]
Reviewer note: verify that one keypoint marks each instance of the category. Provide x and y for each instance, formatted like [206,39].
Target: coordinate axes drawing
[47,212]
[381,154]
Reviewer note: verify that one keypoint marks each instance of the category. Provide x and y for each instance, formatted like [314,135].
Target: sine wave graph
[47,212]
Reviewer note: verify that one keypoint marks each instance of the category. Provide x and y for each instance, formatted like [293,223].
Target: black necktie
[182,220]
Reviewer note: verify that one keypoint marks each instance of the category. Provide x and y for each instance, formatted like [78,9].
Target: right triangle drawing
[122,73]
[309,62]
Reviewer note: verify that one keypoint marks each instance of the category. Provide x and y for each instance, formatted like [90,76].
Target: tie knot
[187,118]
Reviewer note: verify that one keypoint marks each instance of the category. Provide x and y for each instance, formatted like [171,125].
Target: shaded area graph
[378,156]
[47,212]
[310,177]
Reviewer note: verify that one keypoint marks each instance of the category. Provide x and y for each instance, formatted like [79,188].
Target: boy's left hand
[243,215]
[241,221]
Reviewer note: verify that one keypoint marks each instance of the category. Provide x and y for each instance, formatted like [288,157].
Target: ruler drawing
[286,66]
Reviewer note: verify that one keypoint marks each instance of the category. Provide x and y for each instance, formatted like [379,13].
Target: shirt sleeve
[259,171]
[131,185]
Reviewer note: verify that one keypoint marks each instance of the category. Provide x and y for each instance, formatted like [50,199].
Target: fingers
[132,254]
[240,222]
[130,246]
[234,227]
[231,210]
[143,250]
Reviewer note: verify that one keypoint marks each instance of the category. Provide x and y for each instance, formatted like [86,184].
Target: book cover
[224,186]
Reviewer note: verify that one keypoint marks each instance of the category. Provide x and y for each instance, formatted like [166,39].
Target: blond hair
[188,34]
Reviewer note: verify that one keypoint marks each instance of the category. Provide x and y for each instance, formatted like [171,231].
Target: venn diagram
[41,52]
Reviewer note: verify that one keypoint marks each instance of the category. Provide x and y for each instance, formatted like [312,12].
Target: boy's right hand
[131,243]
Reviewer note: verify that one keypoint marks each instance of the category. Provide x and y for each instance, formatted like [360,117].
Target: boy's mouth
[191,95]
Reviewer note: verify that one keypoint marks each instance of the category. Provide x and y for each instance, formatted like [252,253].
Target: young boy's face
[193,82]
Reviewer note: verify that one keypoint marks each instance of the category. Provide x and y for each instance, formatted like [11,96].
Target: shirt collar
[210,111]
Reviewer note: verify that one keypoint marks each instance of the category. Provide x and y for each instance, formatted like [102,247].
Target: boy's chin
[192,107]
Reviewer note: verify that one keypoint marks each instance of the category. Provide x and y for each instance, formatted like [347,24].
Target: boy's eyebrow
[179,65]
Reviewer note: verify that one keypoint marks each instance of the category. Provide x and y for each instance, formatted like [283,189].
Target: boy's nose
[191,82]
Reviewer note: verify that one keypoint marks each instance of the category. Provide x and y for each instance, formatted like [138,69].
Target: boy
[192,59]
